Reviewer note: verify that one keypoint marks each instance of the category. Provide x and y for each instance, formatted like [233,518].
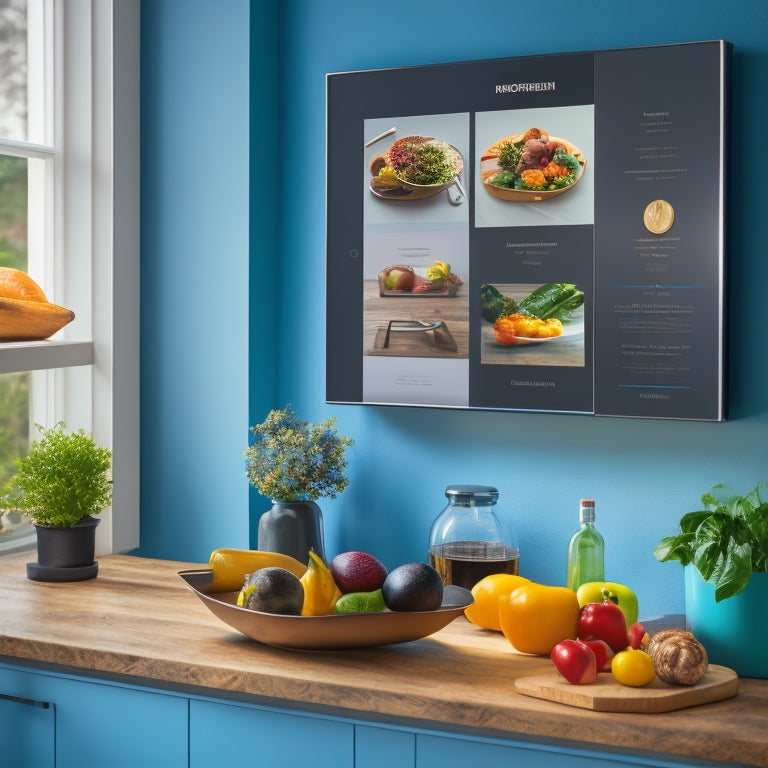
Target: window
[69,209]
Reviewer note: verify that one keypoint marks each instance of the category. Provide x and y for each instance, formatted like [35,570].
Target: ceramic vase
[292,528]
[65,554]
[734,630]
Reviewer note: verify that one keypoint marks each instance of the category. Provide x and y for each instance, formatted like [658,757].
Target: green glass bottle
[586,549]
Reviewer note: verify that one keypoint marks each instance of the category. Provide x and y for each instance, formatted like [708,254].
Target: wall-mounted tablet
[543,233]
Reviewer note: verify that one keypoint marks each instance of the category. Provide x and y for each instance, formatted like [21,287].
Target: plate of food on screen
[416,167]
[531,167]
[405,280]
[548,313]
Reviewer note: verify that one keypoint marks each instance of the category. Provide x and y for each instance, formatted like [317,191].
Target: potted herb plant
[724,548]
[294,463]
[62,482]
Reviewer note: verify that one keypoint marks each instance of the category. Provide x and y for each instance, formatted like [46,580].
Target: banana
[231,565]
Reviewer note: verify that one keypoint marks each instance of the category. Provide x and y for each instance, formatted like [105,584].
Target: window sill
[40,355]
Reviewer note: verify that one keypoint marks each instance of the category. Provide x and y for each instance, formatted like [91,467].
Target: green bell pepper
[597,591]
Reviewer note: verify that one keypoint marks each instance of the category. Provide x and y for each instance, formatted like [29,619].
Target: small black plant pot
[65,554]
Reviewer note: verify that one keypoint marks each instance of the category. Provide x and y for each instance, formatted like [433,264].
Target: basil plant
[727,541]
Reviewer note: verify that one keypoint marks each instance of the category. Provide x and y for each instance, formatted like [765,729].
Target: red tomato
[603,654]
[636,635]
[575,661]
[604,621]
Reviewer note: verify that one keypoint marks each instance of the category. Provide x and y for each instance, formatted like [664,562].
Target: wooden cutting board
[606,695]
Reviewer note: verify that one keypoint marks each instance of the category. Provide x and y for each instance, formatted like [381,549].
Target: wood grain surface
[139,621]
[606,695]
[379,310]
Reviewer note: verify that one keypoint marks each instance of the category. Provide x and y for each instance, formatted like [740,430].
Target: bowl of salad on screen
[415,167]
[531,167]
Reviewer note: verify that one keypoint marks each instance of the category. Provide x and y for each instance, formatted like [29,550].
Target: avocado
[413,587]
[275,590]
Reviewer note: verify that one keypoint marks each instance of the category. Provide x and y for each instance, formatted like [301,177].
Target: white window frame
[88,375]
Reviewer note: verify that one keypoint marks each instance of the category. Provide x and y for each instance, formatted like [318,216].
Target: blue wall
[643,474]
[194,275]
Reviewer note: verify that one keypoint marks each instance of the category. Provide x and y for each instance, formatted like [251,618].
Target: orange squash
[25,312]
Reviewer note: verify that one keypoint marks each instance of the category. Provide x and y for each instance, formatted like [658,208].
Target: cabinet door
[442,752]
[89,724]
[447,752]
[234,734]
[27,730]
[377,747]
[100,725]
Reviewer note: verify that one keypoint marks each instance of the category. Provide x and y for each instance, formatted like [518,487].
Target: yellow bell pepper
[320,590]
[484,610]
[536,617]
[437,270]
[597,591]
[231,565]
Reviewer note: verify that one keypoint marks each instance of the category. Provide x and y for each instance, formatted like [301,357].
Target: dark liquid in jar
[464,563]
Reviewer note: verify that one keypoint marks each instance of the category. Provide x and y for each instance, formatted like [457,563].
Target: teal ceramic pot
[734,630]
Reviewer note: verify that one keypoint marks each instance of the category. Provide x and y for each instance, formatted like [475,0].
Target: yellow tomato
[536,617]
[484,611]
[634,668]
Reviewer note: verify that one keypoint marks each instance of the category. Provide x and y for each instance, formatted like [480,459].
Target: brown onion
[678,657]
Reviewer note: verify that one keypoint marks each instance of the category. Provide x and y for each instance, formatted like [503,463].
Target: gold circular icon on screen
[659,217]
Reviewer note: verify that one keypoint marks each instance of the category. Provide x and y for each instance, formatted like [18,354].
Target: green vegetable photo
[558,300]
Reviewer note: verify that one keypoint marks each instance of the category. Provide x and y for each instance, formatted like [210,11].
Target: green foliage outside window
[14,387]
[13,212]
[14,421]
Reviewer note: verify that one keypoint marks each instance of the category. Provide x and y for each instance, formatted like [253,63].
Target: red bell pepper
[604,621]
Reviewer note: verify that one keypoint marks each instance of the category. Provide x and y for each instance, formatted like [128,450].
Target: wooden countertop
[139,619]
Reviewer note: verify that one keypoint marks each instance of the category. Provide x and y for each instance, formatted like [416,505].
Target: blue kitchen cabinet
[444,752]
[70,722]
[437,751]
[377,747]
[223,733]
[101,725]
[57,720]
[27,730]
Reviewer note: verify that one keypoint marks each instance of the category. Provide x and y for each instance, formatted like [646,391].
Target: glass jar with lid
[472,538]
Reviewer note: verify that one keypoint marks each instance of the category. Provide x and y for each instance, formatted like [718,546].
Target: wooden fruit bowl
[349,630]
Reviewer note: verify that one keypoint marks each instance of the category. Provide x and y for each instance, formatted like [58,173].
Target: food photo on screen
[415,165]
[418,306]
[534,167]
[531,166]
[532,324]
